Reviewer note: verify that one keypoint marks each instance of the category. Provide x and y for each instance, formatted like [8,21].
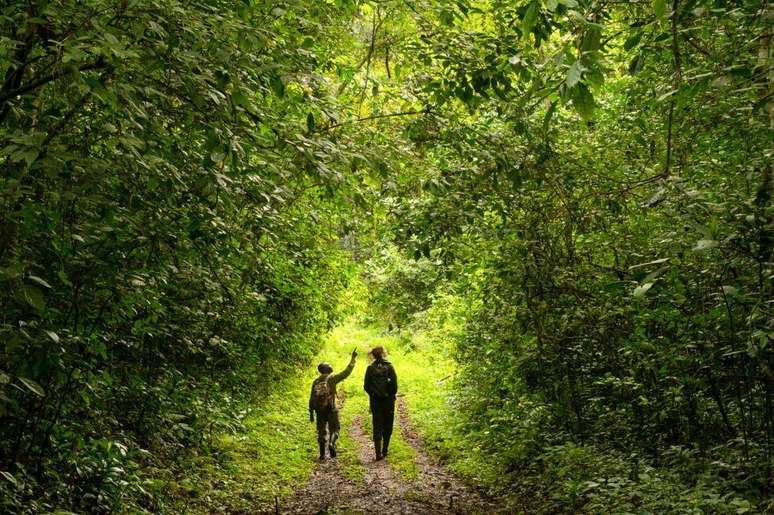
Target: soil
[383,491]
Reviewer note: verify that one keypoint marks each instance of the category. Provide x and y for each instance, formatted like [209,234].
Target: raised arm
[337,378]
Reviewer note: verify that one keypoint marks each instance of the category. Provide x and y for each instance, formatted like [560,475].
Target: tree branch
[7,95]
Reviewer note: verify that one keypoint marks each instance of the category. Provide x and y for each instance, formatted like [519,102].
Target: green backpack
[321,395]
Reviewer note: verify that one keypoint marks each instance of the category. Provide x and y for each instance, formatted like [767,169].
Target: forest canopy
[576,195]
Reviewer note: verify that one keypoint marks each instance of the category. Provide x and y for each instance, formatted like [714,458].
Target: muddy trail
[382,489]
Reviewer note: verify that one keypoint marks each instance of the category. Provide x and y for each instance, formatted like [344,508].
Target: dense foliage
[581,189]
[597,187]
[167,234]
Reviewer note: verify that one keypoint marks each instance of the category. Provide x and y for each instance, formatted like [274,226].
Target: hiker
[322,402]
[381,384]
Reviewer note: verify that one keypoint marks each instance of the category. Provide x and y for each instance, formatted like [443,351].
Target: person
[322,402]
[381,384]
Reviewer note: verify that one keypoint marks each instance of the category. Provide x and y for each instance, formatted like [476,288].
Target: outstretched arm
[337,378]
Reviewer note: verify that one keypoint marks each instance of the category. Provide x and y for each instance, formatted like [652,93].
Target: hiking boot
[385,446]
[332,445]
[322,451]
[378,447]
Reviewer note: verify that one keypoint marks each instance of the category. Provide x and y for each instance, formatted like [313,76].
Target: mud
[382,490]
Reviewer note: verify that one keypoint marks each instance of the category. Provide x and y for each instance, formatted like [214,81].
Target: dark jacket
[392,380]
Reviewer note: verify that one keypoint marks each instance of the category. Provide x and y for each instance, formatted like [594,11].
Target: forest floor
[382,488]
[271,465]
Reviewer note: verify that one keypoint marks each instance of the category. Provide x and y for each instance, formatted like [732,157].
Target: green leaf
[278,86]
[730,290]
[310,122]
[530,19]
[33,386]
[548,116]
[659,8]
[636,64]
[642,289]
[654,262]
[54,337]
[30,155]
[705,245]
[583,101]
[40,281]
[33,296]
[633,40]
[9,477]
[574,73]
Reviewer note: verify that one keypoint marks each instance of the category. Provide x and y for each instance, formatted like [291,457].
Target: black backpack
[380,379]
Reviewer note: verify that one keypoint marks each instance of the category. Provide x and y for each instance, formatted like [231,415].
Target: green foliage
[570,200]
[161,243]
[595,183]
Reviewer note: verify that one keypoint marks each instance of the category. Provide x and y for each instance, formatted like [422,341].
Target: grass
[341,341]
[269,459]
[277,451]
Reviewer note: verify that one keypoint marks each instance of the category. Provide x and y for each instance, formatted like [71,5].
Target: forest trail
[382,488]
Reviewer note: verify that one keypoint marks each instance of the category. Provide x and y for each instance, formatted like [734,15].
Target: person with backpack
[322,402]
[381,384]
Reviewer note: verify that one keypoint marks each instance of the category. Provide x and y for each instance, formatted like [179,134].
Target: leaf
[636,65]
[530,19]
[53,336]
[666,95]
[641,290]
[592,39]
[574,73]
[730,290]
[705,245]
[659,8]
[33,386]
[310,122]
[40,281]
[30,156]
[33,296]
[9,477]
[655,274]
[654,262]
[278,86]
[548,116]
[633,40]
[583,101]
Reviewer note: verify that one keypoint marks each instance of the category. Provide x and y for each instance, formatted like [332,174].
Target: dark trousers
[327,420]
[383,416]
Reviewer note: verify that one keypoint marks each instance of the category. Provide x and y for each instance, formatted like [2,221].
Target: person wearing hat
[322,402]
[381,384]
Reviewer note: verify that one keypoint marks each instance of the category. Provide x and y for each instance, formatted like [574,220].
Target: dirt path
[382,489]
